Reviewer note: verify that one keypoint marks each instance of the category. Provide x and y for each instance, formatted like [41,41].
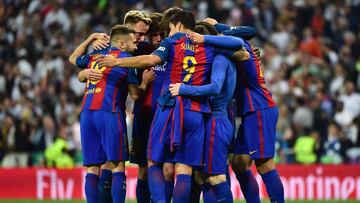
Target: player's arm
[218,75]
[224,42]
[81,49]
[137,89]
[158,57]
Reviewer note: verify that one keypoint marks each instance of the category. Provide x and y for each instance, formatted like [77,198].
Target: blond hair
[135,16]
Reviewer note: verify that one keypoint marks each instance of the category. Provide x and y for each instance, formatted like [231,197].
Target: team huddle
[183,76]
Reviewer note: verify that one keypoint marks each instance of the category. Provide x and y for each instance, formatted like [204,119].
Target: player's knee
[93,169]
[183,169]
[118,166]
[200,178]
[107,166]
[241,163]
[217,179]
[265,165]
[169,171]
[151,163]
[142,172]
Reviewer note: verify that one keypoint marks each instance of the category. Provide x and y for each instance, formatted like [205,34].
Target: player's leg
[189,154]
[140,135]
[93,155]
[241,163]
[169,172]
[265,165]
[142,185]
[114,141]
[118,187]
[105,182]
[219,133]
[195,189]
[157,152]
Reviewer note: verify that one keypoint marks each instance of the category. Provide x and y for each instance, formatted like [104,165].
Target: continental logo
[94,90]
[190,47]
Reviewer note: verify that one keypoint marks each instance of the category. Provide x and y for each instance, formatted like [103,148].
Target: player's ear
[122,44]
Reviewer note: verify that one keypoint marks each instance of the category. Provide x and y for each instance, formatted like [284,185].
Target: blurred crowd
[310,57]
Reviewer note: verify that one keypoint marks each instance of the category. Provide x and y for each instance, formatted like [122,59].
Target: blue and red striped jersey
[110,92]
[148,102]
[186,63]
[251,93]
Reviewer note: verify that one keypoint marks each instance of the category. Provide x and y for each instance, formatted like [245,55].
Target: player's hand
[257,52]
[148,76]
[93,74]
[242,55]
[197,38]
[107,61]
[211,21]
[102,40]
[174,89]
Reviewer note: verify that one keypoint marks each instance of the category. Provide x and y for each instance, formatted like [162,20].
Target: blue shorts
[218,137]
[103,137]
[190,152]
[140,135]
[257,133]
[158,147]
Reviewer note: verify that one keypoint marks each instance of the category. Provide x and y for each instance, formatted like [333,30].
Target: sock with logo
[104,186]
[274,186]
[223,193]
[209,195]
[118,187]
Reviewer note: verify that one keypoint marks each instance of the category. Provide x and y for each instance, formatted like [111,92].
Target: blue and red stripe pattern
[110,92]
[251,93]
[189,64]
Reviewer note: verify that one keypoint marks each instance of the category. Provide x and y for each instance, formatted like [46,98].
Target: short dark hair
[119,31]
[168,13]
[156,19]
[205,28]
[186,18]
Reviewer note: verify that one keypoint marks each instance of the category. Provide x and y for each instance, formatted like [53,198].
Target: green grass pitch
[133,201]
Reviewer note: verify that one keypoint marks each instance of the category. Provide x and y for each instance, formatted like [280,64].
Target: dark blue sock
[91,188]
[223,193]
[274,186]
[169,190]
[249,186]
[157,184]
[182,189]
[228,179]
[118,187]
[142,191]
[195,191]
[104,186]
[209,195]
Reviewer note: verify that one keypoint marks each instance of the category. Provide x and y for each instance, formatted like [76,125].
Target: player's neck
[186,31]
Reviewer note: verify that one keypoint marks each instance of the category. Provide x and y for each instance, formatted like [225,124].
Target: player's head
[183,20]
[155,34]
[168,13]
[205,28]
[139,21]
[123,38]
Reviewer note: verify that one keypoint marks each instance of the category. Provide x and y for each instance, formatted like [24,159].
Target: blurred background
[310,57]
